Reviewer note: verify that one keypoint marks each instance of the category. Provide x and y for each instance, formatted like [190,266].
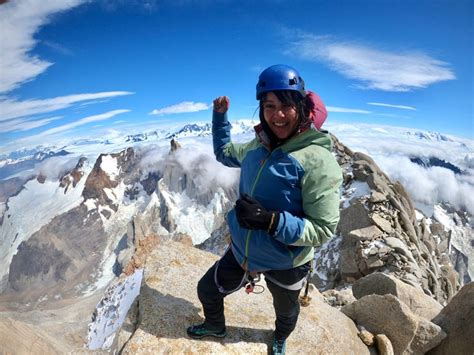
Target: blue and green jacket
[300,179]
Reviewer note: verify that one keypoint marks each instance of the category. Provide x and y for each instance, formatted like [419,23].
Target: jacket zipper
[251,194]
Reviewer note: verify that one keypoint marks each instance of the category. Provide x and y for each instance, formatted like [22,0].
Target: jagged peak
[174,145]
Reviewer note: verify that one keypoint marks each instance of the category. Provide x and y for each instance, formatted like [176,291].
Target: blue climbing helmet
[280,77]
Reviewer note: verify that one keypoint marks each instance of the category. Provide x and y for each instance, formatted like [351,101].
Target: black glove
[252,215]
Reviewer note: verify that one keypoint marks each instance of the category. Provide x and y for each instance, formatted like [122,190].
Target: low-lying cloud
[55,167]
[373,68]
[429,185]
[196,160]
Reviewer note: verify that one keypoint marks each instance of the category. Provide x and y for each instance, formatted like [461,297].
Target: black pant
[230,274]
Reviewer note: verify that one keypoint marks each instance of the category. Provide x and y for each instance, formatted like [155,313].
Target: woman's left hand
[252,215]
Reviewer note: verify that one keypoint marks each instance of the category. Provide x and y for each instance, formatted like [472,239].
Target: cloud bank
[19,20]
[429,185]
[391,148]
[373,68]
[182,107]
[53,168]
[197,161]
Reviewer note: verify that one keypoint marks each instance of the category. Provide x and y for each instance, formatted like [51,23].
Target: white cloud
[19,20]
[346,110]
[182,107]
[429,185]
[391,147]
[54,167]
[82,121]
[374,68]
[391,115]
[390,105]
[38,139]
[197,161]
[11,108]
[23,124]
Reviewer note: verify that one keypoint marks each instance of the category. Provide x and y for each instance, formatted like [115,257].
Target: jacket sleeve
[320,185]
[226,152]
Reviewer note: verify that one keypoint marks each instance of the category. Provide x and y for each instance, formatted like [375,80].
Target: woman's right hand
[221,104]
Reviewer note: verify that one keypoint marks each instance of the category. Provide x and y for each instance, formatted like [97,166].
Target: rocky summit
[168,303]
[391,280]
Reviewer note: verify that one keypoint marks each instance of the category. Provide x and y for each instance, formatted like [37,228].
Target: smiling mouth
[280,124]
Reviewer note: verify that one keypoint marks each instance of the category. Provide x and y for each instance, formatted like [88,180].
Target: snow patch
[91,204]
[327,261]
[418,215]
[461,235]
[355,190]
[110,166]
[111,311]
[373,247]
[115,228]
[194,219]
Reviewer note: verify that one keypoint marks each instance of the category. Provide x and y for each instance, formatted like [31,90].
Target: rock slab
[168,303]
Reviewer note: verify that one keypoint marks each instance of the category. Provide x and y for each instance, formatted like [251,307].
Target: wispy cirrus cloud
[23,124]
[373,68]
[390,105]
[19,21]
[11,108]
[182,107]
[346,110]
[56,135]
[82,121]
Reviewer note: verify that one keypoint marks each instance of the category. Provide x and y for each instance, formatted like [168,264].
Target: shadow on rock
[167,316]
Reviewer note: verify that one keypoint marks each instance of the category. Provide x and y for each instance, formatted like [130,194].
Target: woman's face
[281,119]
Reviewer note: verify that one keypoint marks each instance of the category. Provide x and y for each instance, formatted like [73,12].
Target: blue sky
[76,69]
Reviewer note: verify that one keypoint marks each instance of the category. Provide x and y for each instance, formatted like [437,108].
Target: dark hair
[288,98]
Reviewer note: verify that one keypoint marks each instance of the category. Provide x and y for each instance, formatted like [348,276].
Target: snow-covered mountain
[428,162]
[86,209]
[11,166]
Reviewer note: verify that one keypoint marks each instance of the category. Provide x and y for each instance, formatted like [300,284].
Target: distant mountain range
[428,162]
[66,236]
[28,160]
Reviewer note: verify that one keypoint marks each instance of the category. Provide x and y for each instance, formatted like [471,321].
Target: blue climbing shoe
[278,347]
[200,331]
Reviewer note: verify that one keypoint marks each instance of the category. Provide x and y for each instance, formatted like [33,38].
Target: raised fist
[221,104]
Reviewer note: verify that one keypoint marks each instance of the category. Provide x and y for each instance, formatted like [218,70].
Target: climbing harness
[251,286]
[305,300]
[248,281]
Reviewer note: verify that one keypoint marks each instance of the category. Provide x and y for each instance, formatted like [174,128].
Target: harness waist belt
[293,287]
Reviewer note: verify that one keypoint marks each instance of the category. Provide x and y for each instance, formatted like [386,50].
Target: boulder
[168,303]
[381,284]
[409,333]
[384,345]
[366,234]
[353,217]
[456,319]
